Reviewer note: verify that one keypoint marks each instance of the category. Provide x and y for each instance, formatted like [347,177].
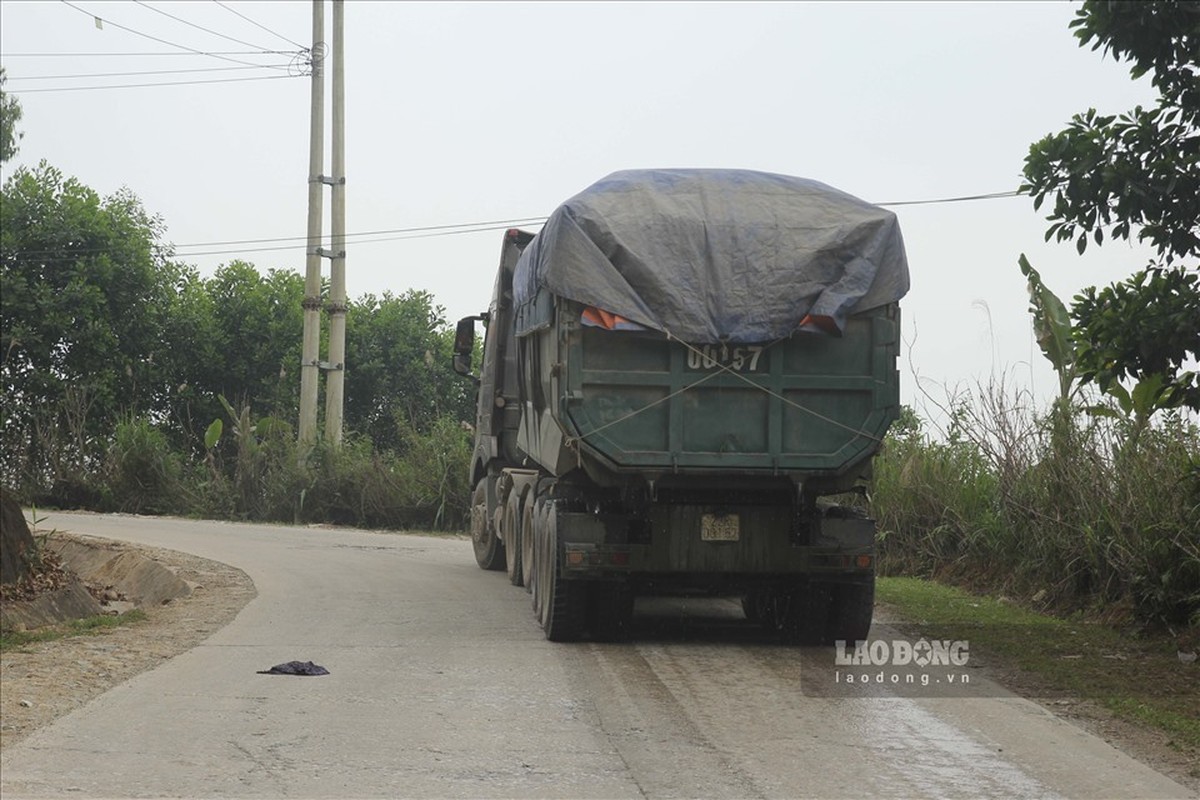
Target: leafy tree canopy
[10,115]
[84,284]
[398,379]
[237,335]
[100,325]
[1137,173]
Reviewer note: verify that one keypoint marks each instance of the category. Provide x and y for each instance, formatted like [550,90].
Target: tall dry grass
[1076,510]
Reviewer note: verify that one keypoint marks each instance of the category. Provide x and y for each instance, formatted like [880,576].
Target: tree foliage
[1142,329]
[106,341]
[252,333]
[1052,328]
[1136,173]
[10,115]
[85,284]
[398,353]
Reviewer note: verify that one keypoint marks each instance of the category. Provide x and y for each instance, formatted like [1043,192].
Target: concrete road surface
[442,685]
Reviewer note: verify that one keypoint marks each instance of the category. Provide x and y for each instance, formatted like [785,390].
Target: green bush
[141,472]
[424,486]
[250,471]
[435,474]
[1078,511]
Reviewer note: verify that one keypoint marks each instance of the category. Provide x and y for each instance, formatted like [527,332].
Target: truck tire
[853,605]
[527,516]
[562,600]
[534,567]
[512,539]
[489,551]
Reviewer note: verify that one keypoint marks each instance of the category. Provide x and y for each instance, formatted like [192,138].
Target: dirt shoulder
[42,681]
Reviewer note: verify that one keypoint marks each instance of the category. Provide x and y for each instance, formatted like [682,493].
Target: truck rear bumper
[584,557]
[693,540]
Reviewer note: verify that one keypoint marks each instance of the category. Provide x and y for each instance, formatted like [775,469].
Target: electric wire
[503,224]
[990,196]
[426,232]
[259,25]
[145,85]
[169,15]
[499,223]
[427,235]
[205,53]
[301,241]
[152,38]
[126,74]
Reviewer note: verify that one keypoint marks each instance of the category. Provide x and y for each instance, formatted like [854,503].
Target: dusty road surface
[441,685]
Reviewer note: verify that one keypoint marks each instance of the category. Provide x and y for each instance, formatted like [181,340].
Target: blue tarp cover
[716,255]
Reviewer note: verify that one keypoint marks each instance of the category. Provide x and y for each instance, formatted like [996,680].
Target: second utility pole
[310,359]
[334,384]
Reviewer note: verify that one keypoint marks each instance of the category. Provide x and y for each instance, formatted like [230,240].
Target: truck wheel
[535,564]
[562,600]
[527,523]
[512,539]
[853,605]
[489,551]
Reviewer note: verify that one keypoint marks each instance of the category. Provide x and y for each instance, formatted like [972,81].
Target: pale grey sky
[469,112]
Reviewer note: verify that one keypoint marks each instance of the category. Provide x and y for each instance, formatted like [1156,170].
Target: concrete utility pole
[310,366]
[335,383]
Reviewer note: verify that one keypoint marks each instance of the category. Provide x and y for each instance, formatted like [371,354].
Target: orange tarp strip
[603,319]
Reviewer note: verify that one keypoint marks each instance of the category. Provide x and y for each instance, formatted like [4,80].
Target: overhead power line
[259,25]
[501,224]
[426,232]
[144,4]
[126,74]
[193,53]
[452,230]
[429,231]
[146,85]
[301,242]
[152,38]
[991,196]
[426,235]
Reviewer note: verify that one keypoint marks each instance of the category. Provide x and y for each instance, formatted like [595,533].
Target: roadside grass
[11,640]
[1138,678]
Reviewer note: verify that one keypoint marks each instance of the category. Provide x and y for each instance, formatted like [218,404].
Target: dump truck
[684,377]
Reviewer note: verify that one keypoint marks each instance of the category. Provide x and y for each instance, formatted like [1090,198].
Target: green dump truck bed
[807,403]
[680,369]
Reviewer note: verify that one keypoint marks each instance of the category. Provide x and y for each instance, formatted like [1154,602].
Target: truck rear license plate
[719,527]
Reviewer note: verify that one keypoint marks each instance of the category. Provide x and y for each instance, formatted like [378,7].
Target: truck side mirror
[464,346]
